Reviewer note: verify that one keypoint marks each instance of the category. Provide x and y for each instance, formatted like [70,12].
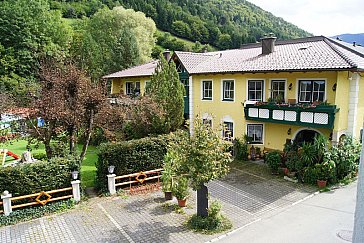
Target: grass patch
[36,212]
[88,167]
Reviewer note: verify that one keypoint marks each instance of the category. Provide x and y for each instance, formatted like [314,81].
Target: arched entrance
[306,135]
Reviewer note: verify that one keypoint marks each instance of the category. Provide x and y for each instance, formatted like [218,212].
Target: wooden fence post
[6,197]
[111,183]
[76,190]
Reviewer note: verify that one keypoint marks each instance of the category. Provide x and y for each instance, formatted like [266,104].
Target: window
[132,88]
[255,132]
[228,131]
[228,90]
[207,122]
[129,88]
[311,90]
[137,88]
[207,90]
[255,90]
[278,88]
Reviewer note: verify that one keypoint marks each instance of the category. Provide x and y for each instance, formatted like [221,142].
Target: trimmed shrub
[130,157]
[40,156]
[40,176]
[36,212]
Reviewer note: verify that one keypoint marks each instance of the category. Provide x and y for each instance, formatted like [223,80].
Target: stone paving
[245,197]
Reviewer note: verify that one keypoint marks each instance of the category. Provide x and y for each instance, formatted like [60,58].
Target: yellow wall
[118,84]
[342,101]
[275,135]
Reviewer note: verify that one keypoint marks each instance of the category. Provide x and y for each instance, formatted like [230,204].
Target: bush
[40,156]
[346,157]
[324,171]
[241,149]
[213,223]
[274,160]
[40,176]
[129,157]
[35,212]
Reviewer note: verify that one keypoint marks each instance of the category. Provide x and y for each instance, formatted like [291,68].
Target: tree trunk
[72,134]
[202,201]
[47,140]
[358,235]
[88,135]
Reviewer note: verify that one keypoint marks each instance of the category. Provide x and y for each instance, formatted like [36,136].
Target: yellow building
[272,91]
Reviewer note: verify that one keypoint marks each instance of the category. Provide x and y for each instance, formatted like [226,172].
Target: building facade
[273,91]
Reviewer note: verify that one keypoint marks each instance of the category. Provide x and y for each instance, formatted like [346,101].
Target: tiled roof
[305,54]
[312,53]
[146,69]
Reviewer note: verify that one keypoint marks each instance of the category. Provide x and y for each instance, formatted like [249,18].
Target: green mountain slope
[221,23]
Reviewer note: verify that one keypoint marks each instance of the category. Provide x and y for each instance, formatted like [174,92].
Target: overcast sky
[319,17]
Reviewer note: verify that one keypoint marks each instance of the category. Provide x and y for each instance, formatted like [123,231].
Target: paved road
[317,219]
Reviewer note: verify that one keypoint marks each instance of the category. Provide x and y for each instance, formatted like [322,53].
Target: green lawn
[88,169]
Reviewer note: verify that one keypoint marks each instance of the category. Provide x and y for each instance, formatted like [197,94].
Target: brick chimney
[167,55]
[268,43]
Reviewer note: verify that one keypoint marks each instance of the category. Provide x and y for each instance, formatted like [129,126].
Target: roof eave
[279,71]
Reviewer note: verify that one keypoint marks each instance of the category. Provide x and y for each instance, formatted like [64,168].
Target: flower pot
[321,183]
[285,171]
[182,202]
[168,196]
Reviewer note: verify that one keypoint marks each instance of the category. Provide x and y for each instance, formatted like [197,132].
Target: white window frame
[309,79]
[278,80]
[263,132]
[263,88]
[223,93]
[227,118]
[202,90]
[232,132]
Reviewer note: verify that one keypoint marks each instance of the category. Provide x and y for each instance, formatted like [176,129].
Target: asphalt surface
[323,218]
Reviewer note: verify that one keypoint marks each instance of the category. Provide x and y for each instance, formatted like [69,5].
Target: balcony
[307,115]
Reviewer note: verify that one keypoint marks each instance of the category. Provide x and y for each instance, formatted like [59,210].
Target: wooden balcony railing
[316,116]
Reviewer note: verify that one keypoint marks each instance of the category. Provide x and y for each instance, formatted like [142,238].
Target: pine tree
[167,90]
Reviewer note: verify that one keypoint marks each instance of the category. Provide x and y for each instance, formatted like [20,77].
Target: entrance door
[307,136]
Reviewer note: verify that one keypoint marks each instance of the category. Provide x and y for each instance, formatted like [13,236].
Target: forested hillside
[224,24]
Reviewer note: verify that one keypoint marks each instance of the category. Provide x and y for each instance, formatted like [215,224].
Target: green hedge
[30,213]
[40,176]
[129,157]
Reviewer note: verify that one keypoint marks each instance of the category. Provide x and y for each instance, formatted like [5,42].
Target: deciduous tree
[203,156]
[112,40]
[67,103]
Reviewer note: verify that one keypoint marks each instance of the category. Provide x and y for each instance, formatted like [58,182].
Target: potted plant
[274,160]
[167,176]
[257,152]
[167,184]
[180,190]
[324,171]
